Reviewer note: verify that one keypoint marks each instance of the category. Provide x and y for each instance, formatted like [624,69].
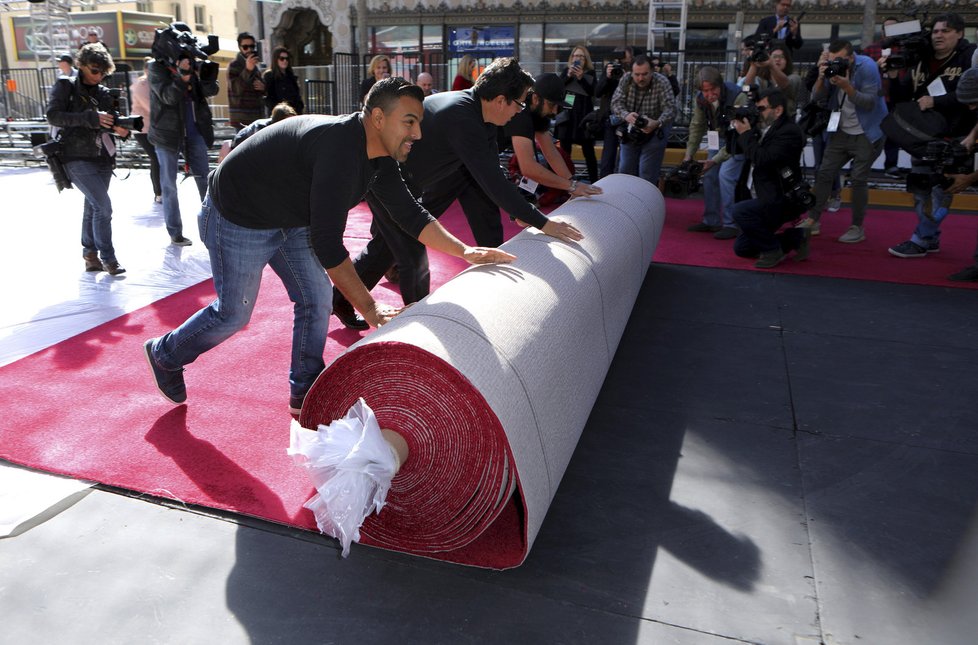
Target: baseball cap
[65,58]
[550,87]
[967,89]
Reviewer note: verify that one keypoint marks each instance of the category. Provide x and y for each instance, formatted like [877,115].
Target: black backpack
[912,128]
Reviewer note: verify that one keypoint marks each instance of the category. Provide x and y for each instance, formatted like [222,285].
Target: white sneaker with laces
[834,204]
[853,234]
[811,224]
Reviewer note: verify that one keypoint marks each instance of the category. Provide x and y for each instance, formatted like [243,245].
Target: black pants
[587,147]
[154,163]
[389,243]
[759,223]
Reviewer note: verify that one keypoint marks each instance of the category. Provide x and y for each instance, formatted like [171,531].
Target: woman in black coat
[281,83]
[579,82]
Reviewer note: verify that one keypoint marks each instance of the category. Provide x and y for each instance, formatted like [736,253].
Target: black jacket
[913,85]
[780,148]
[167,108]
[767,25]
[74,107]
[284,87]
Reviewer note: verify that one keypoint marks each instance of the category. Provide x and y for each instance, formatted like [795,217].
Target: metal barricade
[321,97]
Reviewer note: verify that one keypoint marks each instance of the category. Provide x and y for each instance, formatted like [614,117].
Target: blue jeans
[92,178]
[729,176]
[238,257]
[927,204]
[196,154]
[645,161]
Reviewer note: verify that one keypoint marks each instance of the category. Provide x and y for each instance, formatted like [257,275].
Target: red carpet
[867,260]
[86,407]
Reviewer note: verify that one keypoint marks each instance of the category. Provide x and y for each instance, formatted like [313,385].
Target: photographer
[543,102]
[245,85]
[772,148]
[181,121]
[83,112]
[782,26]
[579,81]
[967,94]
[645,104]
[850,85]
[712,109]
[605,88]
[770,67]
[931,83]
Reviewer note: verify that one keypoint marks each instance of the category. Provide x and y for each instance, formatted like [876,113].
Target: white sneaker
[853,234]
[811,224]
[834,204]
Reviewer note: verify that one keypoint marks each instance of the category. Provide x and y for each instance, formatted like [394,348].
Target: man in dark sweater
[456,157]
[281,198]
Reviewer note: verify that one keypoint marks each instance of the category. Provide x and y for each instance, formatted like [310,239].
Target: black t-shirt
[526,124]
[310,171]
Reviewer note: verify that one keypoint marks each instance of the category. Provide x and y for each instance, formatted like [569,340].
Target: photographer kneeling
[772,148]
[84,112]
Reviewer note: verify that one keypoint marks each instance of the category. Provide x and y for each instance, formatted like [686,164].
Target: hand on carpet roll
[486,255]
[562,231]
[380,314]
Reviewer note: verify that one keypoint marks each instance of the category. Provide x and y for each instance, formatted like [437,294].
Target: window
[177,10]
[200,18]
[144,7]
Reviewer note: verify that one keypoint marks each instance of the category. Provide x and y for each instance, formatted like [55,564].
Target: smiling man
[281,199]
[457,159]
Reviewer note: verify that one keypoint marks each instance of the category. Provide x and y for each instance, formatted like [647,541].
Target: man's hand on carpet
[486,255]
[380,315]
[562,231]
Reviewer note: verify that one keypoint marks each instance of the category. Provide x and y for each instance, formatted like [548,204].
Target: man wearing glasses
[245,86]
[456,158]
[772,148]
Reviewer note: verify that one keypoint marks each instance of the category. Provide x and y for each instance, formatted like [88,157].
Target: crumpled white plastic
[351,465]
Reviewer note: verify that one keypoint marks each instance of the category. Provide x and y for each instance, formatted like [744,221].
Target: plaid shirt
[656,102]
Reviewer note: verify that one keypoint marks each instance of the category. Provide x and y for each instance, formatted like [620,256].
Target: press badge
[713,140]
[529,185]
[936,87]
[834,121]
[569,99]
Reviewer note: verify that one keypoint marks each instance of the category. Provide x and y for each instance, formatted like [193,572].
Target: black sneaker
[168,382]
[965,275]
[727,233]
[180,240]
[702,228]
[343,310]
[908,249]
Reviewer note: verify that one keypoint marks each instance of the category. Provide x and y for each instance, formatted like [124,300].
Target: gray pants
[841,148]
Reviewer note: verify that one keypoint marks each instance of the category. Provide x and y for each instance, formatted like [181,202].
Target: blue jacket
[869,101]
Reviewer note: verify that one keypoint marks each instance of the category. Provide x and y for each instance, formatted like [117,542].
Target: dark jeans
[609,153]
[759,223]
[391,245]
[154,163]
[587,147]
[91,178]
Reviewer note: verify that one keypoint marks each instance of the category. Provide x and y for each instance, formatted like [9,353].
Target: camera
[759,46]
[944,158]
[132,122]
[796,190]
[837,67]
[177,41]
[684,180]
[632,133]
[617,71]
[912,40]
[52,154]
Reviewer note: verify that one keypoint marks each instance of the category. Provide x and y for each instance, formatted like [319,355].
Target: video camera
[129,122]
[759,46]
[178,41]
[684,180]
[944,158]
[912,39]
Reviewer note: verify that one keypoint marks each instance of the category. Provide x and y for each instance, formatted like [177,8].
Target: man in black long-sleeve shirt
[456,157]
[281,198]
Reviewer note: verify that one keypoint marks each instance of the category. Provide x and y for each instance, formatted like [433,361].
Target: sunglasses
[96,71]
[247,46]
[283,58]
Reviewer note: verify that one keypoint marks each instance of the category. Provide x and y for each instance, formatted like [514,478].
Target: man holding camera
[646,105]
[180,121]
[850,85]
[781,26]
[245,87]
[772,148]
[712,110]
[81,108]
[931,83]
[967,94]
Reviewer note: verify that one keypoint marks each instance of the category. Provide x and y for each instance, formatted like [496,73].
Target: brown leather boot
[112,268]
[92,263]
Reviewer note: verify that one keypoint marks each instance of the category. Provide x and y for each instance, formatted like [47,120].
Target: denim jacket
[869,101]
